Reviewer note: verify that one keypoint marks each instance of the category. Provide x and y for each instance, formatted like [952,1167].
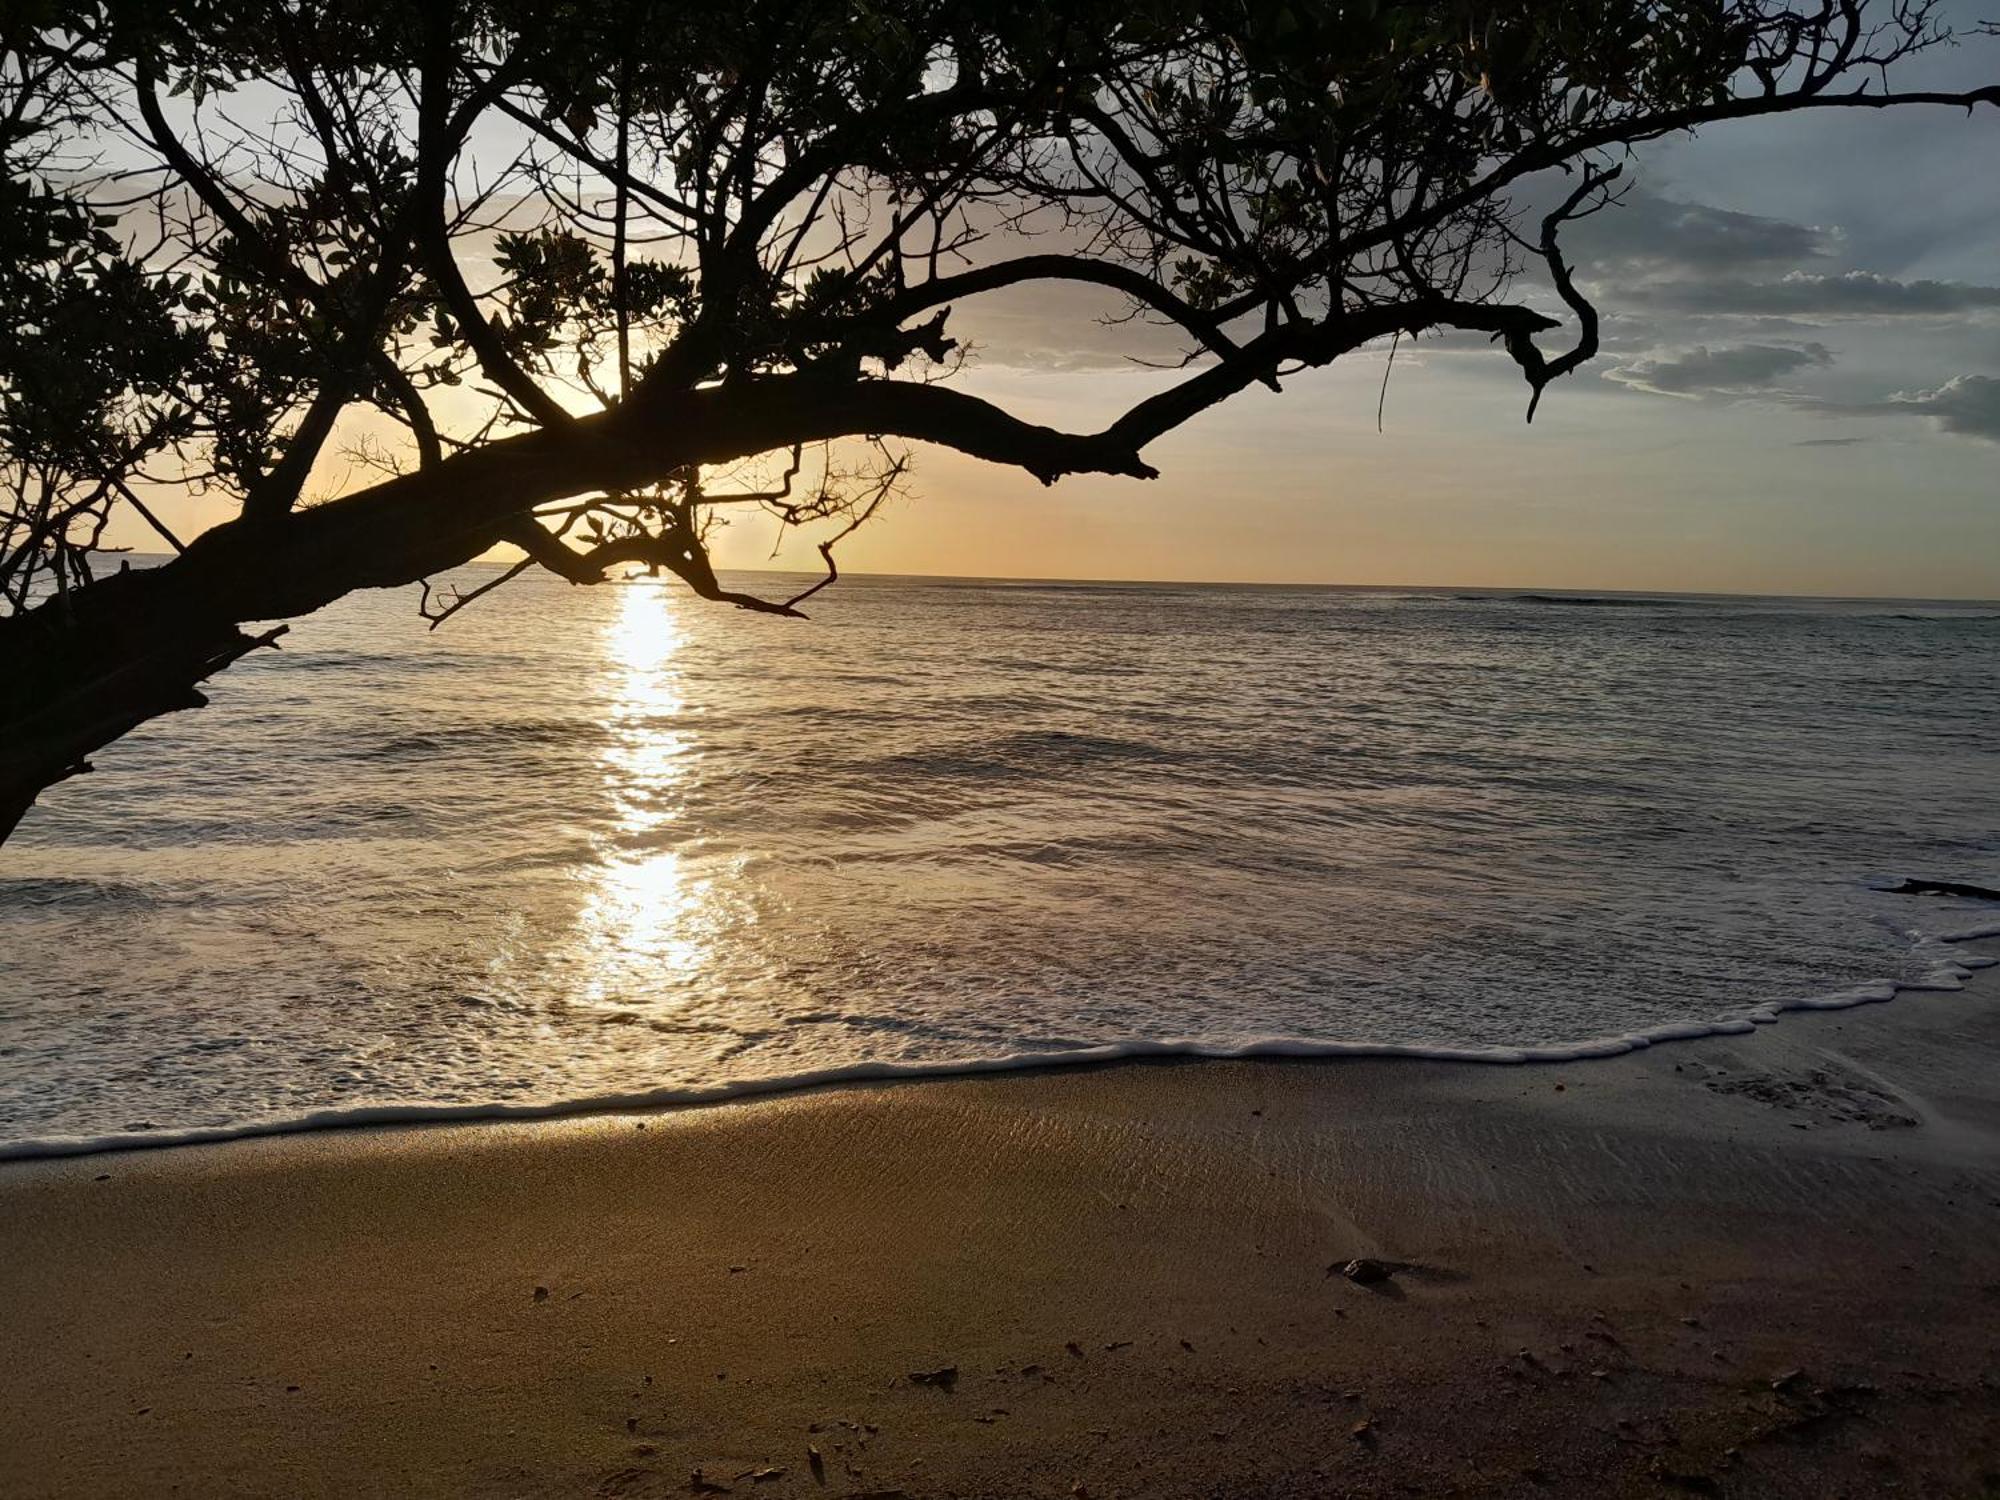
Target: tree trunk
[79,671]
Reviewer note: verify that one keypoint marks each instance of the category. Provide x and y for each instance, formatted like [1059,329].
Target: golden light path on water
[645,923]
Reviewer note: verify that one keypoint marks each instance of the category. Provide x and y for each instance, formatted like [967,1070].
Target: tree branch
[675,552]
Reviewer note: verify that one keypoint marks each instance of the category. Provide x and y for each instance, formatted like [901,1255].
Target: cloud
[1966,404]
[1735,370]
[1839,442]
[1802,293]
[1647,236]
[1063,326]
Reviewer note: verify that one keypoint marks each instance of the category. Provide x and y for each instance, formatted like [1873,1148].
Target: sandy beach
[1756,1265]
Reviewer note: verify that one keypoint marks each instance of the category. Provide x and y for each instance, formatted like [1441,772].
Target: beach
[1763,1264]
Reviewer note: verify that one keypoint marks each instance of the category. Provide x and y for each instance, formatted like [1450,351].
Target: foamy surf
[1948,971]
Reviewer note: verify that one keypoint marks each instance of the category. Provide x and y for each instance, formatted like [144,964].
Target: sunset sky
[1799,392]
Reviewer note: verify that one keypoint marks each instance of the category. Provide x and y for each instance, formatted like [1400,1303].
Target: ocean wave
[1946,974]
[1942,618]
[1582,601]
[1025,753]
[55,890]
[457,739]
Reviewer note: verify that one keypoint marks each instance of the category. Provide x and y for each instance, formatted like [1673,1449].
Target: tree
[728,240]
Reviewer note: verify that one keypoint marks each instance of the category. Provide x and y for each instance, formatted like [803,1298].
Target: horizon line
[856,574]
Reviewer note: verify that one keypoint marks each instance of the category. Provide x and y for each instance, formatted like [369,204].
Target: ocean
[594,847]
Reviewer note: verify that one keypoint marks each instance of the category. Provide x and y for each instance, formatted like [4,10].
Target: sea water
[614,844]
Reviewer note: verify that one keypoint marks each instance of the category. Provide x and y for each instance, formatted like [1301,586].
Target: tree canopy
[580,278]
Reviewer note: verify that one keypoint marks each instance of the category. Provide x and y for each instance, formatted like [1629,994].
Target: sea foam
[1948,971]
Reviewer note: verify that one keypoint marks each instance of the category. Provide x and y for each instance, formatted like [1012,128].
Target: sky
[1799,392]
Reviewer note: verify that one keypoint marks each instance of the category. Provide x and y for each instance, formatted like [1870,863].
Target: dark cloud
[1966,404]
[1735,370]
[1647,236]
[1805,294]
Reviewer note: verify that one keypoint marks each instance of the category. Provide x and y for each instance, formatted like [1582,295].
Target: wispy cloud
[1737,370]
[1860,294]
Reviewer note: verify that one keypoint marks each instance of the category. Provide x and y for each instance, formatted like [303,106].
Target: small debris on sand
[1365,1272]
[1363,1432]
[1074,1348]
[816,1462]
[764,1475]
[1117,1344]
[541,1294]
[703,1486]
[944,1377]
[1787,1382]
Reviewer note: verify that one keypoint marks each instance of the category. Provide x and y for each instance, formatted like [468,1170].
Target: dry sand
[1610,1272]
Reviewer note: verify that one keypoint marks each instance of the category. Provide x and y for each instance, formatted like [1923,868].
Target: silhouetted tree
[726,241]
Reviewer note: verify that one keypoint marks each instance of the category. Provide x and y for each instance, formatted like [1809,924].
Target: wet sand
[1758,1265]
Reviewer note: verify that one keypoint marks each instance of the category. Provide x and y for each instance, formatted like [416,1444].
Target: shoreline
[1760,1264]
[1110,1054]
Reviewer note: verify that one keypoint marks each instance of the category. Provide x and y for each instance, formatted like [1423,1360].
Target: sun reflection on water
[646,923]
